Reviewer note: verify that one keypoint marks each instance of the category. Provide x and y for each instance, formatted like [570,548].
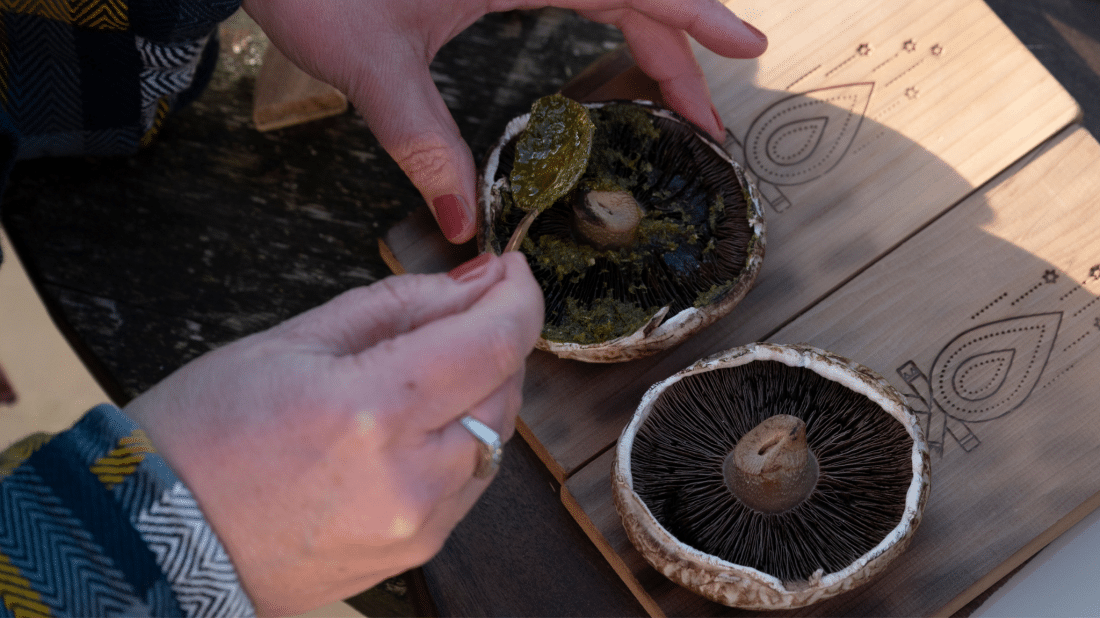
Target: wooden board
[989,321]
[913,106]
[864,124]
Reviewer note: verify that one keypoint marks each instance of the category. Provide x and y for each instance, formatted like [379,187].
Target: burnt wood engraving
[802,137]
[989,370]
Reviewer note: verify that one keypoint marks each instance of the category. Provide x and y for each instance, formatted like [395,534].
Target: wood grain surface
[855,141]
[934,100]
[953,100]
[218,231]
[988,320]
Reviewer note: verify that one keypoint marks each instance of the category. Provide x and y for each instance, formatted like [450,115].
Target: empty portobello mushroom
[771,476]
[660,236]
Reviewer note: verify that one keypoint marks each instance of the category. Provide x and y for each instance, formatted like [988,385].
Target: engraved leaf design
[980,376]
[990,370]
[795,142]
[802,137]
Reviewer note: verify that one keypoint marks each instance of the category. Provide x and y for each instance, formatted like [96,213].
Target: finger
[436,484]
[710,22]
[437,527]
[453,451]
[362,317]
[407,114]
[450,364]
[665,54]
[443,518]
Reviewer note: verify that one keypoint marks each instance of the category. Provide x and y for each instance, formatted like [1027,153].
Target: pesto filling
[688,251]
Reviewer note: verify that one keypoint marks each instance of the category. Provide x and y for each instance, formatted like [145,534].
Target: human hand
[326,452]
[377,52]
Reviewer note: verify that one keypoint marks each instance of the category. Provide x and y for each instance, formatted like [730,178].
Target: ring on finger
[490,451]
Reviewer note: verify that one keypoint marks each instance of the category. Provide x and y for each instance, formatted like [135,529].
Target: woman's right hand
[327,452]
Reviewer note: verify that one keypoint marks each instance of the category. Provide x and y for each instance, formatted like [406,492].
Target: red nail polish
[452,214]
[753,29]
[471,269]
[7,391]
[721,125]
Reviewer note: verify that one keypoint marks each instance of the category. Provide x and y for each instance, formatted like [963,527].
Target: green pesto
[637,119]
[656,234]
[615,163]
[716,210]
[569,259]
[552,152]
[564,258]
[604,320]
[711,295]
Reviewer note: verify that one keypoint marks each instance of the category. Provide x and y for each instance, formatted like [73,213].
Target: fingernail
[760,35]
[718,120]
[471,269]
[452,214]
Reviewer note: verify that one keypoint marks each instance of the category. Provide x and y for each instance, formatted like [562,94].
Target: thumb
[410,119]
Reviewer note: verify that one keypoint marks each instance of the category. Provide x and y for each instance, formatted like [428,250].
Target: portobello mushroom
[771,476]
[661,235]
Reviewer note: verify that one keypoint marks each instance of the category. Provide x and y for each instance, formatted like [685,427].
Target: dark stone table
[217,231]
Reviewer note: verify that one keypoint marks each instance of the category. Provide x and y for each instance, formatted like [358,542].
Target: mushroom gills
[607,263]
[680,457]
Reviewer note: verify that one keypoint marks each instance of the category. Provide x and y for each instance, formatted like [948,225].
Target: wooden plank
[863,122]
[989,321]
[417,246]
[979,102]
[587,495]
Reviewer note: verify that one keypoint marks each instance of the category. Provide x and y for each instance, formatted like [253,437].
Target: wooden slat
[999,299]
[979,102]
[934,99]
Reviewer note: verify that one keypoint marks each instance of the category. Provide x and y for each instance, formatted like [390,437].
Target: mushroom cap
[665,322]
[746,586]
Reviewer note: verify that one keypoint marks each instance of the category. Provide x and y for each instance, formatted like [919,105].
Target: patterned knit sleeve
[94,523]
[98,77]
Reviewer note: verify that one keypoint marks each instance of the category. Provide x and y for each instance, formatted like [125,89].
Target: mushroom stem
[772,468]
[607,219]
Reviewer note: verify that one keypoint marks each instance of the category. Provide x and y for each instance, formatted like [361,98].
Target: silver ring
[489,449]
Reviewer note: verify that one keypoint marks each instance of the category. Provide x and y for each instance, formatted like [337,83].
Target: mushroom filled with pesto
[639,227]
[771,476]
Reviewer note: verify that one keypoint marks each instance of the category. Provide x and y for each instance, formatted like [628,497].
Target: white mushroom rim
[662,330]
[707,573]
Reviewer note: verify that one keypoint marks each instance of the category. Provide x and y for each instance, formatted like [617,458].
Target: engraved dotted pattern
[813,126]
[950,362]
[827,157]
[989,383]
[990,305]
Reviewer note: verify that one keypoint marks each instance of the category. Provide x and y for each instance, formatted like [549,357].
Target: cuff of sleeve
[144,519]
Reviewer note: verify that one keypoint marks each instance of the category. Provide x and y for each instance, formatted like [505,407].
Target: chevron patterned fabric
[94,523]
[97,77]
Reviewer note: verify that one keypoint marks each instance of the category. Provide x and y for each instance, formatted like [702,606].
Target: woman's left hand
[377,52]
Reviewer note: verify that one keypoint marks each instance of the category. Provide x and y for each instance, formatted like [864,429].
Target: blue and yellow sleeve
[94,523]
